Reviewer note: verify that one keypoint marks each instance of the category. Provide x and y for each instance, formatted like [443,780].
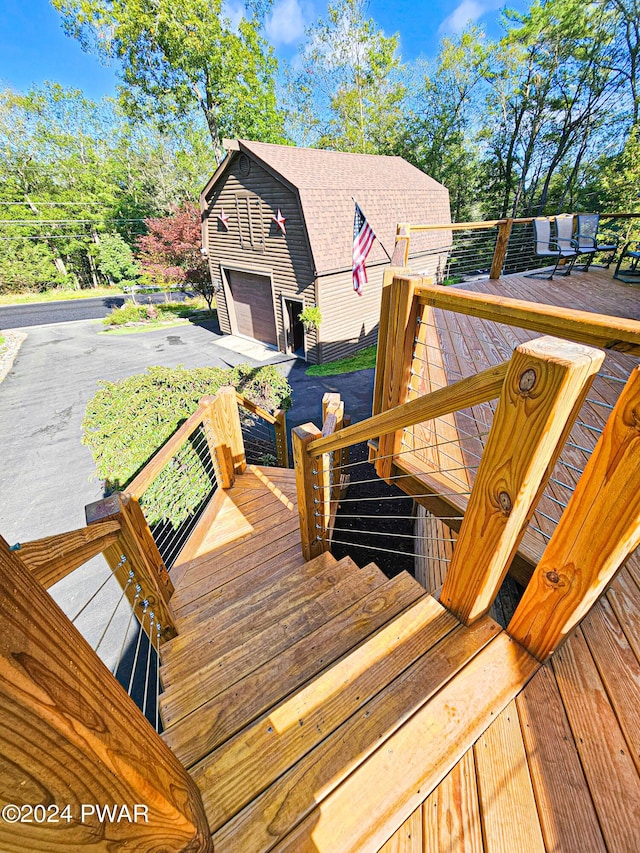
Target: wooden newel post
[398,353]
[219,450]
[312,485]
[72,736]
[226,428]
[599,529]
[545,385]
[136,551]
[500,251]
[280,430]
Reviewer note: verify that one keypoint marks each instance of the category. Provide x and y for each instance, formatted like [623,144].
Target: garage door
[253,305]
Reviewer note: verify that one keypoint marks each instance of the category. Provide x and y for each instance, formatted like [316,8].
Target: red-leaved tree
[170,252]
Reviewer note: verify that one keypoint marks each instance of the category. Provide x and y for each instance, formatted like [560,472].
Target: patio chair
[562,248]
[588,241]
[631,252]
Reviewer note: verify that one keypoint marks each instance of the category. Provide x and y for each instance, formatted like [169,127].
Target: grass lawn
[56,295]
[363,359]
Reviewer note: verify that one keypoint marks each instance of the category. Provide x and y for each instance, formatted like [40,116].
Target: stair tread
[220,595]
[213,568]
[416,757]
[290,798]
[221,671]
[184,653]
[197,734]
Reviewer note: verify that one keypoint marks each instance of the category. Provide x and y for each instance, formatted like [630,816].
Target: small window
[244,165]
[250,222]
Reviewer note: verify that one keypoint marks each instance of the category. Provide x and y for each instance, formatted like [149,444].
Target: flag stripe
[363,237]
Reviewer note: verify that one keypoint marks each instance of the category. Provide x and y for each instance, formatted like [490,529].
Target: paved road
[64,311]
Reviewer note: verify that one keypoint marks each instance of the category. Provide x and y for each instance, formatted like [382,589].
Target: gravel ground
[9,350]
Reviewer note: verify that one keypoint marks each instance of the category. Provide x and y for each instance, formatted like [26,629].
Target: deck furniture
[631,257]
[589,242]
[562,248]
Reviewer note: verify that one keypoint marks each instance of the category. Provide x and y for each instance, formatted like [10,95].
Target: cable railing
[141,533]
[491,248]
[430,454]
[264,434]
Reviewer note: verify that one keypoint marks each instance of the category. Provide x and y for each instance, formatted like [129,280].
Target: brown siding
[286,259]
[350,322]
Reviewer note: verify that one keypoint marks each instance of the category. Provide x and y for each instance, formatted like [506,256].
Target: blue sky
[33,47]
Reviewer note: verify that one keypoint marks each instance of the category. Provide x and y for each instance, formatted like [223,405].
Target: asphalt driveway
[47,475]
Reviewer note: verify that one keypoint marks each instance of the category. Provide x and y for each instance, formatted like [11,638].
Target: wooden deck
[559,768]
[317,704]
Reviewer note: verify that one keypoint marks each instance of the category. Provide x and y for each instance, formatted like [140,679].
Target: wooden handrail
[136,545]
[601,330]
[255,409]
[492,223]
[54,557]
[503,226]
[143,480]
[471,391]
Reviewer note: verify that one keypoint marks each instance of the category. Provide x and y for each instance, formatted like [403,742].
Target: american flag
[363,237]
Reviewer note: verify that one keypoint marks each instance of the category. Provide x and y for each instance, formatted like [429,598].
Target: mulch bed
[383,518]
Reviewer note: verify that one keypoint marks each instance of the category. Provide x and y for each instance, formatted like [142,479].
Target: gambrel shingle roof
[388,189]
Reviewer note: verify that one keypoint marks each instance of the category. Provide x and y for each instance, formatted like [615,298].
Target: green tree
[178,56]
[440,136]
[72,170]
[349,94]
[115,260]
[552,96]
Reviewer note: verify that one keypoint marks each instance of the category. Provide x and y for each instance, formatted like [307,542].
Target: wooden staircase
[316,704]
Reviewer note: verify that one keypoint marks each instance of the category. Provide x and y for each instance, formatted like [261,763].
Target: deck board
[580,715]
[451,814]
[507,804]
[567,816]
[609,768]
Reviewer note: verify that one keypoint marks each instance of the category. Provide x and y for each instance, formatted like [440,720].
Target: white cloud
[285,24]
[468,10]
[234,11]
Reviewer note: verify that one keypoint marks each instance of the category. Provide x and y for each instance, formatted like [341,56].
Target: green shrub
[129,313]
[126,422]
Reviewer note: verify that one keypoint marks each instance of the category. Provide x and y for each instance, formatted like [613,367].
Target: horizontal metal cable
[613,378]
[115,609]
[587,450]
[404,497]
[395,535]
[398,517]
[569,486]
[571,467]
[589,426]
[335,541]
[126,633]
[600,403]
[541,532]
[97,592]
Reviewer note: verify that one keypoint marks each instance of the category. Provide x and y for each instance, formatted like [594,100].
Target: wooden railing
[278,422]
[540,391]
[64,707]
[399,409]
[76,738]
[490,241]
